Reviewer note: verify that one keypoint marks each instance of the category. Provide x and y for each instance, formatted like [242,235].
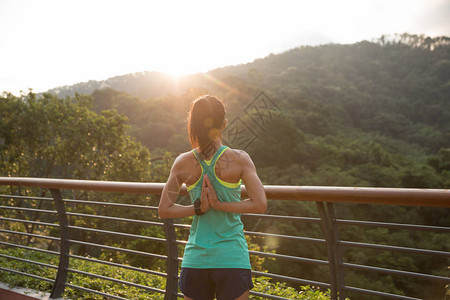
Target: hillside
[398,87]
[377,106]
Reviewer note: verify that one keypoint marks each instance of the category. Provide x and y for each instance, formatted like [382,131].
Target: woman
[216,260]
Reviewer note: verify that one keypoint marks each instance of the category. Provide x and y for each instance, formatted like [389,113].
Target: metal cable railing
[66,234]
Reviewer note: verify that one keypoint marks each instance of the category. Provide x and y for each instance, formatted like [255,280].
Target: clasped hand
[208,196]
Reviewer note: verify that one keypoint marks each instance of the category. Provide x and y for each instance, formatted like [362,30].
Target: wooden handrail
[367,195]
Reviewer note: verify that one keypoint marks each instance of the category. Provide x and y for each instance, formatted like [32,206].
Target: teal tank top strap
[207,167]
[216,156]
[207,164]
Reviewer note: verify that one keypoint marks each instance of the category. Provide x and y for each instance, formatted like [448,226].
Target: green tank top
[216,238]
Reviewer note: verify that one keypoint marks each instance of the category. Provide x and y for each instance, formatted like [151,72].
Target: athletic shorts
[204,284]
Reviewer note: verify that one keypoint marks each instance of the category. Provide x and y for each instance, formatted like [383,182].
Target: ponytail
[206,118]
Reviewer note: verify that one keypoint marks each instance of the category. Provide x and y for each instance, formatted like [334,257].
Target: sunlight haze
[46,44]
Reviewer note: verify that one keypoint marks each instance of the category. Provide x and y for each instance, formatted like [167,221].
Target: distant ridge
[261,73]
[140,84]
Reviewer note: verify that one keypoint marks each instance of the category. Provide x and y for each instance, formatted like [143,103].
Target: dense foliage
[368,114]
[262,284]
[51,137]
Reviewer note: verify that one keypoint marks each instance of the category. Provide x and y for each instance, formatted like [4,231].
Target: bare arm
[167,207]
[257,201]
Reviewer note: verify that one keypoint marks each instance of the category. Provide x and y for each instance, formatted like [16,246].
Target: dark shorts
[225,284]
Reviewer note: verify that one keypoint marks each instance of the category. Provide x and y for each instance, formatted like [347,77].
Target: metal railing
[325,199]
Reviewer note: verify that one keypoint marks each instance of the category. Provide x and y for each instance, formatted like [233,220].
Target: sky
[50,43]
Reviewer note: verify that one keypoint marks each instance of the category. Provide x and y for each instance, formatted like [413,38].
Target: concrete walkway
[7,293]
[10,295]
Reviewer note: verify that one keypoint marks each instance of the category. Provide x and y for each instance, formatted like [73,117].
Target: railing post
[337,249]
[329,237]
[172,261]
[61,276]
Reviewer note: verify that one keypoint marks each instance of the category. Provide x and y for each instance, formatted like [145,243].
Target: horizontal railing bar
[31,234]
[267,296]
[110,204]
[123,234]
[396,272]
[395,248]
[288,257]
[115,219]
[182,226]
[30,209]
[292,279]
[29,261]
[26,274]
[118,265]
[26,197]
[393,225]
[82,202]
[158,256]
[28,222]
[281,236]
[87,185]
[390,196]
[284,218]
[117,280]
[29,248]
[181,242]
[377,293]
[93,291]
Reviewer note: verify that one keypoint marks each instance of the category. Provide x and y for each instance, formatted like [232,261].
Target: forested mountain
[367,114]
[370,113]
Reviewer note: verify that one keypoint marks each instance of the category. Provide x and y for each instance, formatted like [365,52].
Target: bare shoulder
[240,156]
[186,168]
[184,160]
[246,168]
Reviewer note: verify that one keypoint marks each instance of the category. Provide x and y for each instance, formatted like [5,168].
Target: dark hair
[206,112]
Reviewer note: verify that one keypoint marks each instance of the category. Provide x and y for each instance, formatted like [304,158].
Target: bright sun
[179,37]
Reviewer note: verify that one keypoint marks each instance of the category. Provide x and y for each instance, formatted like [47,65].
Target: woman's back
[228,167]
[216,238]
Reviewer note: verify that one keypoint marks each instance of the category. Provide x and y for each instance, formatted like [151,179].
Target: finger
[205,196]
[210,194]
[211,187]
[208,180]
[204,182]
[204,186]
